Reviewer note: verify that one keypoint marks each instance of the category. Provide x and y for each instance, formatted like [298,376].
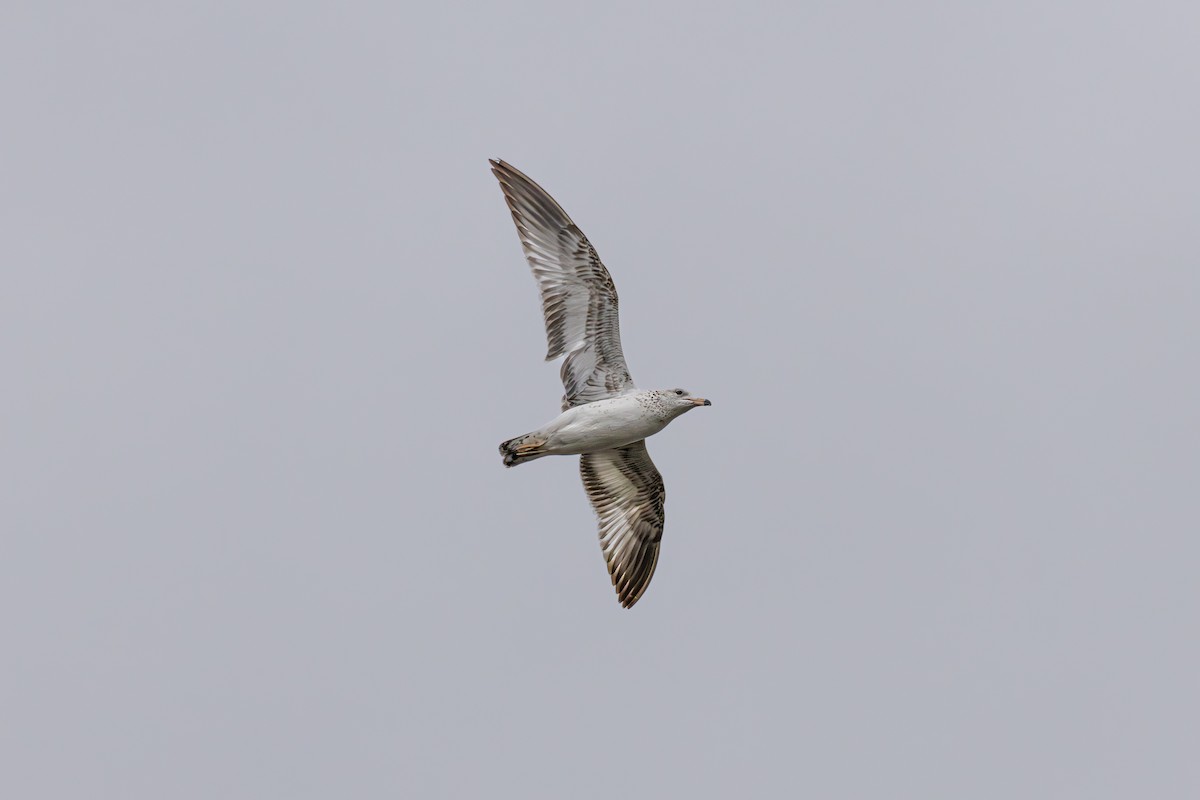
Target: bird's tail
[522,449]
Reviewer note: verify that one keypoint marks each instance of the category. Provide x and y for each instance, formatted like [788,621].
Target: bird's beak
[700,401]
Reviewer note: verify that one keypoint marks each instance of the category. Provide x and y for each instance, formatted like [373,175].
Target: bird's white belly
[601,425]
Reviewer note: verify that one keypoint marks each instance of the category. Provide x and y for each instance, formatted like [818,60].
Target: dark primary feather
[579,300]
[627,493]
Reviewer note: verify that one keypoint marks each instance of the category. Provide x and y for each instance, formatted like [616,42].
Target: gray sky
[265,319]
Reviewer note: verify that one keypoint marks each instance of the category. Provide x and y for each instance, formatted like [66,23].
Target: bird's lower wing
[627,493]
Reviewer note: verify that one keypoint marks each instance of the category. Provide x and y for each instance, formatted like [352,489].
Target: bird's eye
[679,392]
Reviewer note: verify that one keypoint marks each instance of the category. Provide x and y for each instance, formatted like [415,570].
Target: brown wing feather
[579,299]
[627,493]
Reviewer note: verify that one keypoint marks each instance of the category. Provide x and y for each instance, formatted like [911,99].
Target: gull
[605,418]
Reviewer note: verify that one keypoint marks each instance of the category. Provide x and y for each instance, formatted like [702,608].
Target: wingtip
[628,596]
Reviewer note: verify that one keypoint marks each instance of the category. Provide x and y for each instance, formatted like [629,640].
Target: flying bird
[605,418]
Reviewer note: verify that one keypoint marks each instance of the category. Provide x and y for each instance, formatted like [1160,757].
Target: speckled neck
[655,404]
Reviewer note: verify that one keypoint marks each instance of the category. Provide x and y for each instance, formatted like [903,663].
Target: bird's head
[681,400]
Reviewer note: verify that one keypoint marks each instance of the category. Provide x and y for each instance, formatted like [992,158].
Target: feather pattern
[627,493]
[579,299]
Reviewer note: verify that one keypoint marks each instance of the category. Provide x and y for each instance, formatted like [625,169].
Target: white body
[606,424]
[607,420]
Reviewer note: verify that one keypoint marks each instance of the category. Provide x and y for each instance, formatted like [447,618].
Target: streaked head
[683,400]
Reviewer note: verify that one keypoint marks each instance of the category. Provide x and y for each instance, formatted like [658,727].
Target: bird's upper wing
[628,495]
[579,299]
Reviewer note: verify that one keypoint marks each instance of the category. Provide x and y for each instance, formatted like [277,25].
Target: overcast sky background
[265,318]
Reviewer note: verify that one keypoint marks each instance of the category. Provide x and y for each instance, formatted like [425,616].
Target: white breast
[602,425]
